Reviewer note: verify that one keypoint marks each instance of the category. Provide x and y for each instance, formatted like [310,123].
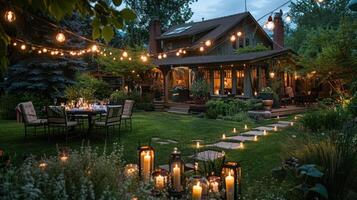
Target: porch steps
[289,110]
[179,109]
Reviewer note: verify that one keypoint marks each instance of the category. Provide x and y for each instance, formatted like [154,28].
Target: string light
[159,56]
[288,19]
[60,37]
[144,58]
[125,54]
[94,48]
[164,55]
[177,53]
[129,58]
[239,33]
[208,43]
[202,49]
[184,51]
[270,24]
[23,47]
[233,38]
[10,16]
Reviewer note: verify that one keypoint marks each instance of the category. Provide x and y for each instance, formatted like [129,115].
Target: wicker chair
[112,118]
[29,117]
[128,112]
[57,118]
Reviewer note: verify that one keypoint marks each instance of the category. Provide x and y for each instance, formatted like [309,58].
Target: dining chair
[57,118]
[128,112]
[29,117]
[112,118]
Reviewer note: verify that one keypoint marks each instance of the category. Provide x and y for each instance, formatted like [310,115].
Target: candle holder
[231,177]
[177,169]
[214,184]
[63,154]
[146,162]
[197,188]
[131,171]
[161,179]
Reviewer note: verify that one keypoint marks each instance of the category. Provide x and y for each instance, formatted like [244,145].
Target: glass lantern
[146,155]
[197,188]
[231,178]
[177,169]
[214,183]
[160,178]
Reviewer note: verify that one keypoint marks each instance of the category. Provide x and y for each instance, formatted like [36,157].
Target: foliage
[85,175]
[325,119]
[170,13]
[336,156]
[250,49]
[267,90]
[239,117]
[231,107]
[200,89]
[9,102]
[118,97]
[87,87]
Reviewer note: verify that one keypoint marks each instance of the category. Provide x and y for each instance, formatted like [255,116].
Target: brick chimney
[154,32]
[278,36]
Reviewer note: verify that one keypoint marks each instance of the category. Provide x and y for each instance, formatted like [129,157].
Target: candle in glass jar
[275,128]
[229,187]
[241,145]
[214,186]
[265,132]
[197,192]
[197,145]
[234,130]
[147,166]
[177,177]
[160,182]
[245,127]
[255,138]
[223,136]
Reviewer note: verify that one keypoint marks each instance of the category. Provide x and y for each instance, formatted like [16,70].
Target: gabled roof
[222,59]
[215,28]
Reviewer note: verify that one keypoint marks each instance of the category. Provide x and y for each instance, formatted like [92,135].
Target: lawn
[257,158]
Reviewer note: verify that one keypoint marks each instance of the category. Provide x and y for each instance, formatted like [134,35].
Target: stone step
[226,145]
[208,155]
[241,138]
[253,133]
[262,128]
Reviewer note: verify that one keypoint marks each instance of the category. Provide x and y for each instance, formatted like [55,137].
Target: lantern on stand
[131,170]
[146,162]
[231,176]
[160,177]
[197,188]
[214,184]
[177,168]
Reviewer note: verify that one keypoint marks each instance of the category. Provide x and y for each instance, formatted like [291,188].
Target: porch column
[247,82]
[234,81]
[211,81]
[261,78]
[166,73]
[221,91]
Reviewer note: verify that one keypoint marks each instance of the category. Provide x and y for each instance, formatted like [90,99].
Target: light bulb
[202,49]
[208,43]
[233,38]
[125,54]
[164,55]
[239,33]
[23,47]
[94,48]
[60,37]
[10,16]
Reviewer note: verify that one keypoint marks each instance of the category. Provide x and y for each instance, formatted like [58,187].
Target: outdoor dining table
[89,113]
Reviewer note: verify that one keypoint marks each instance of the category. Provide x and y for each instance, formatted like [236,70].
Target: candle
[229,187]
[291,123]
[278,117]
[196,166]
[295,118]
[275,128]
[234,130]
[223,136]
[197,192]
[160,182]
[265,132]
[43,165]
[64,158]
[177,178]
[197,145]
[255,138]
[147,166]
[245,127]
[241,145]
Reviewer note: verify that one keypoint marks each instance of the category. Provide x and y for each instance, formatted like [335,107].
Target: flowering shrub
[85,175]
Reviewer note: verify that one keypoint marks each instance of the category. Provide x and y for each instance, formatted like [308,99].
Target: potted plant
[267,96]
[200,91]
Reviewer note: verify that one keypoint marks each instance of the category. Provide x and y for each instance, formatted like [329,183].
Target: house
[208,49]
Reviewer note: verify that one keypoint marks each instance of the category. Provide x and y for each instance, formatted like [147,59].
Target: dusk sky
[217,8]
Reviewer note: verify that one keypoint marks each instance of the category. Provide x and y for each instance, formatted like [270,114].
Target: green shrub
[200,89]
[85,175]
[211,114]
[118,97]
[9,102]
[313,121]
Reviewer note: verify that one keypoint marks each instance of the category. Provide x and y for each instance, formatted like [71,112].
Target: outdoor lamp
[177,168]
[131,170]
[197,188]
[214,184]
[146,162]
[272,74]
[270,24]
[10,16]
[160,177]
[231,177]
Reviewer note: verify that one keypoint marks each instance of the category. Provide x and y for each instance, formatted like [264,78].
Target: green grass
[257,158]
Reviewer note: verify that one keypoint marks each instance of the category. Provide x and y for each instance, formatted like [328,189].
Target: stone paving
[208,155]
[279,125]
[226,145]
[241,138]
[253,133]
[262,128]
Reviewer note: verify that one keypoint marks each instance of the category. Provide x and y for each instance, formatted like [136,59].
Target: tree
[169,12]
[105,18]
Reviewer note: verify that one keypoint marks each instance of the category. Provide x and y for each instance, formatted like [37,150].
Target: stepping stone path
[226,145]
[241,138]
[208,155]
[262,128]
[254,133]
[284,122]
[279,125]
[163,141]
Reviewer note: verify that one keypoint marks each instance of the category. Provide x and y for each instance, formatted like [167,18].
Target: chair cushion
[28,112]
[72,123]
[99,123]
[38,122]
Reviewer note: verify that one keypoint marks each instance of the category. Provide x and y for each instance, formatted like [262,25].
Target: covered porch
[241,75]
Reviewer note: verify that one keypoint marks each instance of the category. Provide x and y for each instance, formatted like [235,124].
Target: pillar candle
[160,183]
[197,192]
[177,178]
[223,136]
[147,166]
[229,187]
